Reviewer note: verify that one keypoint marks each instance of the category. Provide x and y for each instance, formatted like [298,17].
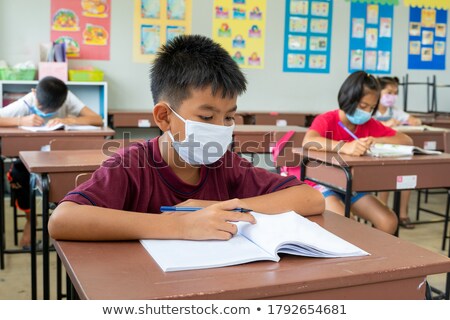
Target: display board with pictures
[84,27]
[427,38]
[371,30]
[240,27]
[156,22]
[307,36]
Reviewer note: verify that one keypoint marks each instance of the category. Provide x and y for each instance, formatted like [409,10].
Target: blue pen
[172,208]
[348,130]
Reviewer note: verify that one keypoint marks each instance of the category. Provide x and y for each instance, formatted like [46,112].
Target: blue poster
[371,30]
[427,38]
[307,36]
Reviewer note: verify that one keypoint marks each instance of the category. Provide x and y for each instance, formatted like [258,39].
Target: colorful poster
[371,37]
[308,36]
[240,27]
[427,38]
[84,26]
[156,22]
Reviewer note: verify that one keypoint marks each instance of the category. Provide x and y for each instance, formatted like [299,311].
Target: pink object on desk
[274,113]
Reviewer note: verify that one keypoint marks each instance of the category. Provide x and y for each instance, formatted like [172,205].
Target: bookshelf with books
[93,94]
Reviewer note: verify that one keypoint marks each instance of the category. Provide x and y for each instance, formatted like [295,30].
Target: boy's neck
[184,171]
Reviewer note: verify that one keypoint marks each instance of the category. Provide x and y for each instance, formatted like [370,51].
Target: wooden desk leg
[396,208]
[2,214]
[33,236]
[69,288]
[59,294]
[45,236]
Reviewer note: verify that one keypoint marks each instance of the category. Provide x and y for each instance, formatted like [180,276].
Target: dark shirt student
[195,84]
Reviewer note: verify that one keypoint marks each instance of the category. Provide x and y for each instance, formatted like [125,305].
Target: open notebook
[61,126]
[397,150]
[272,234]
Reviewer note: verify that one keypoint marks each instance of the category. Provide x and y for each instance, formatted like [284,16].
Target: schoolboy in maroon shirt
[195,84]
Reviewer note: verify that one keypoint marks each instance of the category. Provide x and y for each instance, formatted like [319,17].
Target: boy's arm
[86,117]
[398,138]
[71,221]
[302,199]
[30,120]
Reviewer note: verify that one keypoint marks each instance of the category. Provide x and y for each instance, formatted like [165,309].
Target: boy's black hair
[51,93]
[354,88]
[386,81]
[190,62]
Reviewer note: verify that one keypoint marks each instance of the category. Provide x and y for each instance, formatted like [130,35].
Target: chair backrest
[82,177]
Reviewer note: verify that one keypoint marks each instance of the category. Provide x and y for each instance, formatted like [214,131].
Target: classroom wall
[26,23]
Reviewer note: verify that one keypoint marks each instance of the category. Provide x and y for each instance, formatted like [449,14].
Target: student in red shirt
[195,84]
[358,98]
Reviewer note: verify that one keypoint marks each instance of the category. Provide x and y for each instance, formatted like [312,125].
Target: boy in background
[195,84]
[49,104]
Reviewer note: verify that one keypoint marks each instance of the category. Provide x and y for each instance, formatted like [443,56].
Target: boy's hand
[357,147]
[31,121]
[392,123]
[213,222]
[55,121]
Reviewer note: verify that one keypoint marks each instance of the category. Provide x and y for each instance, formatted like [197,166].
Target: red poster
[84,25]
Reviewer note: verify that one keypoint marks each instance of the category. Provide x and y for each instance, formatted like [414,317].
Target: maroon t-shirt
[138,179]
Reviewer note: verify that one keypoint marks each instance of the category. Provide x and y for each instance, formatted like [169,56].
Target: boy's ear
[161,116]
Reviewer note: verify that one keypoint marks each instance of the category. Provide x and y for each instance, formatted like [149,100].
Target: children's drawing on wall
[384,58]
[371,38]
[317,61]
[372,14]
[427,54]
[174,31]
[414,29]
[319,25]
[239,26]
[297,42]
[238,57]
[65,20]
[439,48]
[150,40]
[296,60]
[385,27]
[254,59]
[428,18]
[319,8]
[150,9]
[357,28]
[176,9]
[297,24]
[95,8]
[370,60]
[414,47]
[299,7]
[356,59]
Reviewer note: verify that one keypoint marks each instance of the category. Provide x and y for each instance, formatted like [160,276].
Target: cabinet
[92,94]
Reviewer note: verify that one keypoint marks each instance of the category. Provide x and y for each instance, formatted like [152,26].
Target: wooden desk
[347,173]
[396,269]
[259,138]
[429,140]
[61,168]
[14,140]
[274,118]
[130,119]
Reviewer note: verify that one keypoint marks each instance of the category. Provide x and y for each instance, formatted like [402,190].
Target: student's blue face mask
[41,114]
[359,116]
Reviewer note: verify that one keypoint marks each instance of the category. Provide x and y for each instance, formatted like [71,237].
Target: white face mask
[204,143]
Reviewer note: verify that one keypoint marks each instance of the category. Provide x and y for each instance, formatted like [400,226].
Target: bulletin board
[240,27]
[371,30]
[84,27]
[427,38]
[156,22]
[307,36]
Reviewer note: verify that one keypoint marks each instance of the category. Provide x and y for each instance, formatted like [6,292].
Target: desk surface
[129,111]
[258,129]
[124,270]
[62,161]
[14,140]
[17,132]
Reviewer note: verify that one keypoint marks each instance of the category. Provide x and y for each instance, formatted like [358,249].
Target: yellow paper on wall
[156,22]
[437,4]
[240,27]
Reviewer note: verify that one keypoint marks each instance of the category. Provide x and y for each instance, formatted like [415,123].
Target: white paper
[406,182]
